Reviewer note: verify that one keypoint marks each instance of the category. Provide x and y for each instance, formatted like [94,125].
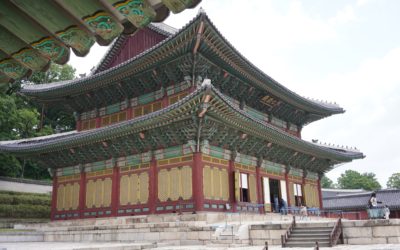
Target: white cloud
[363,2]
[371,96]
[344,16]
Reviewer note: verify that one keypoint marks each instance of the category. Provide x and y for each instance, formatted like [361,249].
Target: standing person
[373,202]
[303,212]
[386,210]
[283,206]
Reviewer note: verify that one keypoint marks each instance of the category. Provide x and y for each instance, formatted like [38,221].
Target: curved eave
[220,109]
[52,91]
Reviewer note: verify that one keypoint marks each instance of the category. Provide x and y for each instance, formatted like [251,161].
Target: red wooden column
[319,192]
[165,102]
[153,185]
[303,189]
[98,122]
[231,179]
[115,191]
[129,113]
[54,195]
[259,193]
[197,182]
[287,187]
[79,125]
[82,193]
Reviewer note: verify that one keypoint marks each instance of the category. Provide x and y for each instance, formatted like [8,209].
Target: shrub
[24,205]
[6,199]
[24,211]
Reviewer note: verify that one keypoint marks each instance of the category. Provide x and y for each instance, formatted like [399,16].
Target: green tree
[56,73]
[351,179]
[394,181]
[326,182]
[20,118]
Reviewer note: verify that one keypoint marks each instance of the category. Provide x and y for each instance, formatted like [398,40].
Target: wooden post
[115,191]
[259,193]
[197,181]
[98,122]
[153,185]
[288,194]
[231,182]
[82,192]
[319,193]
[41,118]
[54,196]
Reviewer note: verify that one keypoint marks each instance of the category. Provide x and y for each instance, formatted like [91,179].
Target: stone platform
[202,229]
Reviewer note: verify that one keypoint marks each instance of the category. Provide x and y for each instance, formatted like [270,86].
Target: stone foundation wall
[259,234]
[367,232]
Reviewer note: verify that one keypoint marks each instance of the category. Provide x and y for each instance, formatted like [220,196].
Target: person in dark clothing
[282,206]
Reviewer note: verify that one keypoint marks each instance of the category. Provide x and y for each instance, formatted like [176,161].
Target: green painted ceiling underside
[33,33]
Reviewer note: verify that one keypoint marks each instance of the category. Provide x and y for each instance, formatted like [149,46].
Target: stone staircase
[307,234]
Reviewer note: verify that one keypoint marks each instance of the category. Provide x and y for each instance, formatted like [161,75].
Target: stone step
[311,229]
[226,237]
[313,239]
[306,244]
[311,224]
[309,235]
[327,231]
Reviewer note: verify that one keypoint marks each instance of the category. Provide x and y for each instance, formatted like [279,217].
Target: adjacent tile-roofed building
[358,202]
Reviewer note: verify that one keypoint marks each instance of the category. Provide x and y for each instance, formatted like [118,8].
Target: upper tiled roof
[184,40]
[390,197]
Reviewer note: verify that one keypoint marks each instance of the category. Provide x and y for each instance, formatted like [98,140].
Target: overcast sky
[341,51]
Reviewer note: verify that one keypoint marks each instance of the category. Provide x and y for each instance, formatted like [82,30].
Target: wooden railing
[284,237]
[336,233]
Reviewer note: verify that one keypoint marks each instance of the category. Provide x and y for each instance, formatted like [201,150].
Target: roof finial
[201,11]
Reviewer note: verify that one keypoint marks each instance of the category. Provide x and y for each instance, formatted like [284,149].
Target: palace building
[179,121]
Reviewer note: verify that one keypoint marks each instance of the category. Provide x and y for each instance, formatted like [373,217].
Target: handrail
[336,232]
[284,237]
